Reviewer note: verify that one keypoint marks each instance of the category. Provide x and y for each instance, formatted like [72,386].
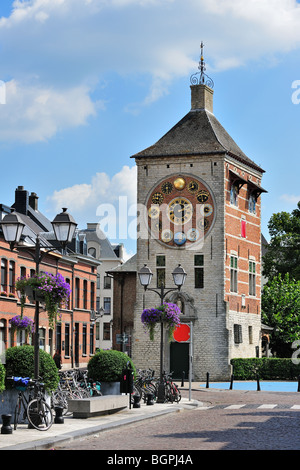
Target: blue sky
[91,82]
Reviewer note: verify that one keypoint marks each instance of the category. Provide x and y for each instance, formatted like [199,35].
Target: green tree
[283,252]
[281,310]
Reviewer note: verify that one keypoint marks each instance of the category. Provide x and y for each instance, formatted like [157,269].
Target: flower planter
[168,314]
[49,289]
[110,388]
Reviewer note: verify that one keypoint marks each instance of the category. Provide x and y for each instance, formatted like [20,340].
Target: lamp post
[64,226]
[145,276]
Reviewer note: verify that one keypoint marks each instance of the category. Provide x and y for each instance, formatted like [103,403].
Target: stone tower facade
[199,206]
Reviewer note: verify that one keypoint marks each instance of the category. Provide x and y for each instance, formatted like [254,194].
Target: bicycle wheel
[168,393]
[59,399]
[39,414]
[17,414]
[175,393]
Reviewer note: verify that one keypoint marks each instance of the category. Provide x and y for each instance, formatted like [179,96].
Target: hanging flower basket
[168,314]
[48,288]
[20,322]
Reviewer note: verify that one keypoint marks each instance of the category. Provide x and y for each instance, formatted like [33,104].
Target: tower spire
[203,79]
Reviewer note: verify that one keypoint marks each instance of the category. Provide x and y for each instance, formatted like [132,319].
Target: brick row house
[74,334]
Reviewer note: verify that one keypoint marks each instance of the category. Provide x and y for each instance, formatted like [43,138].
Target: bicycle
[92,387]
[172,392]
[144,384]
[35,408]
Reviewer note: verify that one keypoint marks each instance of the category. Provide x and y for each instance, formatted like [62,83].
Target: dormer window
[92,252]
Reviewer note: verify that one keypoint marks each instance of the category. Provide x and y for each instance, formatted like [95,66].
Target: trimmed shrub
[267,368]
[20,363]
[107,366]
[2,377]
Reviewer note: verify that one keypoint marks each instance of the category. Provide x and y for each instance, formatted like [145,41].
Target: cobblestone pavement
[227,420]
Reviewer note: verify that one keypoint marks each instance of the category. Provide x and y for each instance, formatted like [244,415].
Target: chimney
[92,226]
[21,200]
[33,201]
[202,97]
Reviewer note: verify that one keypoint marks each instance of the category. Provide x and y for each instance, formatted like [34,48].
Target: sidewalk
[24,438]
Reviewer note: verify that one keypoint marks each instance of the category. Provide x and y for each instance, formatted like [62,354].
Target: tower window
[252,278]
[233,274]
[237,331]
[199,271]
[252,203]
[160,270]
[234,195]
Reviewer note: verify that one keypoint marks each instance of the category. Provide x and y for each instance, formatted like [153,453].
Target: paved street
[228,420]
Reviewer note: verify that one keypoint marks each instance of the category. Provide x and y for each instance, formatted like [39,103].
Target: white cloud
[290,198]
[84,197]
[109,202]
[36,113]
[55,49]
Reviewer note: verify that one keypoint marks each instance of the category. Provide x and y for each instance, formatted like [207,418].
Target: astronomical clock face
[180,211]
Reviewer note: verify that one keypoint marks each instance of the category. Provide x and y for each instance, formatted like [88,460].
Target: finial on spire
[203,79]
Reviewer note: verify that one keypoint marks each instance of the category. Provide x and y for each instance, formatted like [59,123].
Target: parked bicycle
[93,387]
[172,392]
[145,384]
[34,407]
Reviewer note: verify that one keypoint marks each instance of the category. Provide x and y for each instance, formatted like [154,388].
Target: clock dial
[167,235]
[203,224]
[153,212]
[157,198]
[202,196]
[167,187]
[206,210]
[181,211]
[193,187]
[192,234]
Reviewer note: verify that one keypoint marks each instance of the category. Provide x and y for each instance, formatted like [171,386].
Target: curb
[51,442]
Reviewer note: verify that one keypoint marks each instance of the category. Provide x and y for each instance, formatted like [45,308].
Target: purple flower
[167,313]
[22,323]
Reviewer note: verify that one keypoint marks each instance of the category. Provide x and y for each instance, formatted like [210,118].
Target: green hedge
[267,368]
[2,377]
[107,365]
[20,363]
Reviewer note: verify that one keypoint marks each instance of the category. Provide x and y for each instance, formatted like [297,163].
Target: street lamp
[12,226]
[64,227]
[145,275]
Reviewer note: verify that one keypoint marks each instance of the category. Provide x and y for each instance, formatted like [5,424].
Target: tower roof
[198,132]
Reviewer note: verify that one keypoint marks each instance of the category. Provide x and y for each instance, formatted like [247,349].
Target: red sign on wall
[182,333]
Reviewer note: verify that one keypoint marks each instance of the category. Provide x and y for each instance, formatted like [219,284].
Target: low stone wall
[105,404]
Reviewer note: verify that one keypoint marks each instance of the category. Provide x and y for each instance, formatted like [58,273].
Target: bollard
[183,377]
[6,427]
[136,401]
[231,382]
[150,399]
[258,384]
[58,415]
[298,384]
[207,380]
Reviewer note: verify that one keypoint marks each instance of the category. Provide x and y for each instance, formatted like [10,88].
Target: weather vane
[203,79]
